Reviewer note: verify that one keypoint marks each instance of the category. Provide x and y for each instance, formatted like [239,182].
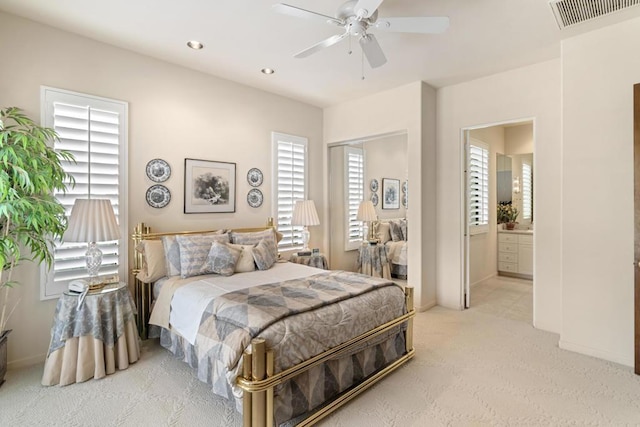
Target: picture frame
[209,186]
[390,193]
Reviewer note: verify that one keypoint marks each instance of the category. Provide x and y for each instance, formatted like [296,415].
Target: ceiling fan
[357,17]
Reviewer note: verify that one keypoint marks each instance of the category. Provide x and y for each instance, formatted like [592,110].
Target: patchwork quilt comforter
[298,319]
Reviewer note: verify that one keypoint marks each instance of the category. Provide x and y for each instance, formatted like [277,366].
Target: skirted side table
[92,340]
[373,260]
[317,261]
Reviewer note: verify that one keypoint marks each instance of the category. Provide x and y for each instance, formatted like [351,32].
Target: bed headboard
[142,291]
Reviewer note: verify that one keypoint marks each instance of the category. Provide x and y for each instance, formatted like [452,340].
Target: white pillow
[383,232]
[245,262]
[154,266]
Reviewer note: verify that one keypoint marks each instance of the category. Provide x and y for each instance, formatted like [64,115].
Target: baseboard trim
[26,362]
[427,306]
[594,352]
[483,279]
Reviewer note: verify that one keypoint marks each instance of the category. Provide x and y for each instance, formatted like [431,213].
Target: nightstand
[92,339]
[317,261]
[372,260]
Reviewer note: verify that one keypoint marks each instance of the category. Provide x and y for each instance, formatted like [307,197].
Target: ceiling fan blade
[287,9]
[366,8]
[424,24]
[321,45]
[372,50]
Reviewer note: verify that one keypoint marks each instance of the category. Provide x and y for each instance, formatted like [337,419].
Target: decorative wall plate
[158,170]
[255,198]
[254,177]
[404,186]
[158,196]
[374,185]
[404,200]
[374,199]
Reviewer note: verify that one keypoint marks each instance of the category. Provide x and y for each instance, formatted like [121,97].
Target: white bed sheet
[190,301]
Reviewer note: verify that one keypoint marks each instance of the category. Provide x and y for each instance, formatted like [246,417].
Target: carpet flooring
[477,367]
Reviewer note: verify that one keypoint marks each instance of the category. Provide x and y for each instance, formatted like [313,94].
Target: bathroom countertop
[516,231]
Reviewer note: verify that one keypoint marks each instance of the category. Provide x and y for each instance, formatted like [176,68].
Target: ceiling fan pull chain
[350,50]
[362,63]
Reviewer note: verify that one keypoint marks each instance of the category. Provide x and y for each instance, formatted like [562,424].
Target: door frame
[465,285]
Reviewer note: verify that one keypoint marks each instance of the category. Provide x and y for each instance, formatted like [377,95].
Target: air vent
[571,12]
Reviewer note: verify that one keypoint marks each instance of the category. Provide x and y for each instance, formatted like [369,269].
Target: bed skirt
[304,393]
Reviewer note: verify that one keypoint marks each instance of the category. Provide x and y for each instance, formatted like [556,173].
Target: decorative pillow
[222,259]
[383,233]
[263,255]
[403,228]
[246,262]
[194,252]
[154,266]
[172,252]
[252,238]
[396,231]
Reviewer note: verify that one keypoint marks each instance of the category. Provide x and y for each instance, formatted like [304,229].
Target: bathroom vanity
[515,253]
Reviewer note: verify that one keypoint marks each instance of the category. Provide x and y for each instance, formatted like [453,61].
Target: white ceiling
[243,36]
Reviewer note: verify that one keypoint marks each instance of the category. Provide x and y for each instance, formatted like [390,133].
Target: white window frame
[283,220]
[48,96]
[353,242]
[527,191]
[481,172]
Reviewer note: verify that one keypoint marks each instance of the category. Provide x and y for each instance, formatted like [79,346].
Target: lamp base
[305,239]
[93,258]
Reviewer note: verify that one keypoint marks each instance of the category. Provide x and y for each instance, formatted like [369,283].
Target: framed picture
[209,186]
[390,193]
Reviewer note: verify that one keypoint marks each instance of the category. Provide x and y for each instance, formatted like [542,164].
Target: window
[94,130]
[354,193]
[527,187]
[478,184]
[290,185]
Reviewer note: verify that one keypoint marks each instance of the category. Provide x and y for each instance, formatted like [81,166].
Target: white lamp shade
[304,213]
[366,211]
[92,220]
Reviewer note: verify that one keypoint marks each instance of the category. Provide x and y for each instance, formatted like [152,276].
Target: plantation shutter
[478,176]
[354,180]
[93,131]
[290,173]
[527,187]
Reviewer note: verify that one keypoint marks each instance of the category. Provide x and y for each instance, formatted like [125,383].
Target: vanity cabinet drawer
[507,238]
[525,239]
[508,247]
[507,257]
[508,266]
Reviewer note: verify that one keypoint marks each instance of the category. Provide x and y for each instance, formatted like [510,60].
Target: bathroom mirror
[504,178]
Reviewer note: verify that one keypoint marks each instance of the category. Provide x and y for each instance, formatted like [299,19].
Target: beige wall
[526,93]
[410,109]
[174,113]
[519,139]
[386,158]
[599,70]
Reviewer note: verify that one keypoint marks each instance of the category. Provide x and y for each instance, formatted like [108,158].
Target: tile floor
[506,297]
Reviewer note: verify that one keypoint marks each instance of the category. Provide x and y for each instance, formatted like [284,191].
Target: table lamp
[304,213]
[367,214]
[92,220]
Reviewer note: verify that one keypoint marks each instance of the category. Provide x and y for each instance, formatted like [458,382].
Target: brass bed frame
[258,377]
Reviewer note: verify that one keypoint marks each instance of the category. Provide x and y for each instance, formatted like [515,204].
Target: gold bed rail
[258,380]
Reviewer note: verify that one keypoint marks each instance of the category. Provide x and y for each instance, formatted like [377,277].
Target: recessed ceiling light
[268,71]
[194,44]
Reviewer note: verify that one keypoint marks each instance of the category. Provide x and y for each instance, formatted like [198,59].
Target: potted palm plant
[30,216]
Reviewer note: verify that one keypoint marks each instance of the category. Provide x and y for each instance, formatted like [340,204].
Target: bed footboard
[258,379]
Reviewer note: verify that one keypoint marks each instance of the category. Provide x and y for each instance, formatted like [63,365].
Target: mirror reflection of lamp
[516,185]
[367,214]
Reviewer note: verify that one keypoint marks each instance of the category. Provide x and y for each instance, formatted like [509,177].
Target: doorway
[498,179]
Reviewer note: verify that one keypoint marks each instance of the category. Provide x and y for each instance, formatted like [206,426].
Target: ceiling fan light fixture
[194,44]
[267,71]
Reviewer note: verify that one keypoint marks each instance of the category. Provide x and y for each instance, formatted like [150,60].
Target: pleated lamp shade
[304,213]
[92,220]
[366,211]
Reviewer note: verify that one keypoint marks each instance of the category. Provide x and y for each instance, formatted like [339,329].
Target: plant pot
[510,225]
[3,355]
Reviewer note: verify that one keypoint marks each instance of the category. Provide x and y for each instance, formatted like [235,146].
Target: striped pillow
[253,238]
[263,255]
[172,252]
[194,253]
